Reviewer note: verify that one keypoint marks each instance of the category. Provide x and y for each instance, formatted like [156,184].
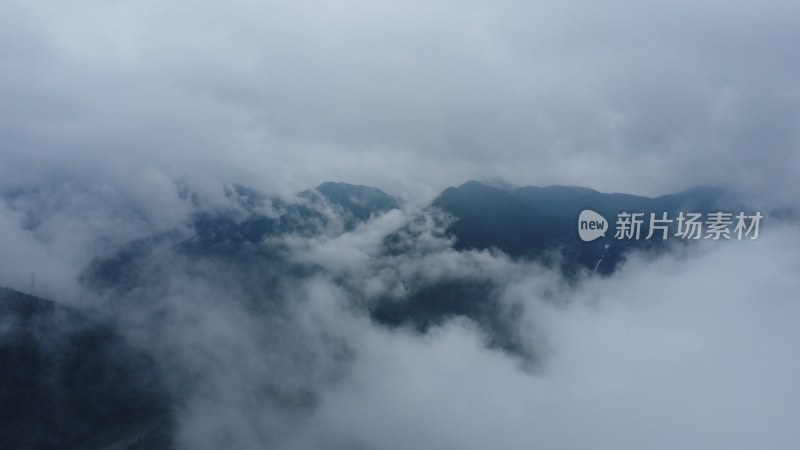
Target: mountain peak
[330,187]
[362,201]
[473,184]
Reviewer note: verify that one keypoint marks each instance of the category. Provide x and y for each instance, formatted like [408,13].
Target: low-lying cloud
[685,351]
[690,348]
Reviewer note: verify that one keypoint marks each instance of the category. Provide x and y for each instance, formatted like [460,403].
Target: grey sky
[409,96]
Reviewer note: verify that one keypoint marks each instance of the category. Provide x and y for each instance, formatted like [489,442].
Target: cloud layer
[694,347]
[411,97]
[691,350]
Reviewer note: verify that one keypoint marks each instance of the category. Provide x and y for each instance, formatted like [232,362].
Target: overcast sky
[409,96]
